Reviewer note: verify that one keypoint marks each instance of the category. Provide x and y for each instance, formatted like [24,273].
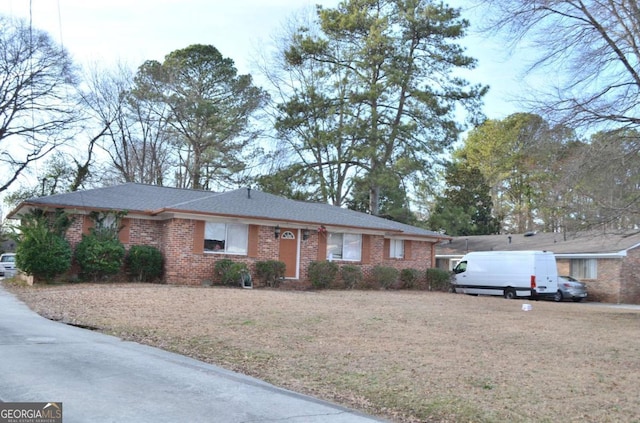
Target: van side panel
[499,272]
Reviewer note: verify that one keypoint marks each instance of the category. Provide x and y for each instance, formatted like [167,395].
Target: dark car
[570,288]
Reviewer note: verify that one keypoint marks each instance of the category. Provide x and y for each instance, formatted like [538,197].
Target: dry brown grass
[405,356]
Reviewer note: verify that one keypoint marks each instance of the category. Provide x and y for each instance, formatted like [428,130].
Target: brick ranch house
[609,262]
[193,229]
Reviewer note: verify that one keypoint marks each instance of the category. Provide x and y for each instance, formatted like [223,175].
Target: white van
[511,274]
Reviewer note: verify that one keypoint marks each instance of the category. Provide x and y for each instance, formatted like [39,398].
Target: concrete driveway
[100,378]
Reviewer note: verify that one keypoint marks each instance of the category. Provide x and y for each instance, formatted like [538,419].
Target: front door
[289,252]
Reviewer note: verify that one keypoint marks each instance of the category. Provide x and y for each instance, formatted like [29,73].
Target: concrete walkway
[100,378]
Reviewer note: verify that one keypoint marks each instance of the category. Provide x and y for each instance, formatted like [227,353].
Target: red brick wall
[630,278]
[564,266]
[183,265]
[420,258]
[145,232]
[606,287]
[74,233]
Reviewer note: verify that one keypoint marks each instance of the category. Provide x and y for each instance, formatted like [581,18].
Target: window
[344,246]
[231,238]
[396,248]
[584,268]
[108,222]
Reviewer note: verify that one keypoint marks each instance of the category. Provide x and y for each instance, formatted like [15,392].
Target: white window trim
[245,245]
[344,235]
[393,252]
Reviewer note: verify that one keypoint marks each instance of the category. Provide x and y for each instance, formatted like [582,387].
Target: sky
[132,31]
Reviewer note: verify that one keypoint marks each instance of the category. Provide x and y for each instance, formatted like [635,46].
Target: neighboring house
[609,262]
[194,229]
[8,246]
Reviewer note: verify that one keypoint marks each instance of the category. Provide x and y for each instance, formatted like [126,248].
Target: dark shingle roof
[151,199]
[132,197]
[588,242]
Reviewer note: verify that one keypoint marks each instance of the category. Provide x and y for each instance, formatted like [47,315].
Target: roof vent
[248,192]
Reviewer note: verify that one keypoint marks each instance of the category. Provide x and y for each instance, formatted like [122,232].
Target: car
[570,288]
[7,264]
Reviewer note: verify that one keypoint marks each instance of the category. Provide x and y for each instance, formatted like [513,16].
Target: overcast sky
[133,31]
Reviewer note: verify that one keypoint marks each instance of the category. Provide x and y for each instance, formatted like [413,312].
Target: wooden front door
[289,251]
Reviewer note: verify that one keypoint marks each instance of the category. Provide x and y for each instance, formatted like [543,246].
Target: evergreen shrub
[144,263]
[270,272]
[438,280]
[351,276]
[322,273]
[385,277]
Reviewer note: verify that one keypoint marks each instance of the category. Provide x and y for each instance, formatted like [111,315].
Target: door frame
[296,234]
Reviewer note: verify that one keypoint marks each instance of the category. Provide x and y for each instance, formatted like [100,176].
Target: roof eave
[302,224]
[20,210]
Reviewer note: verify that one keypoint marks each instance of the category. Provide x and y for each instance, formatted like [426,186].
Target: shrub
[409,278]
[229,272]
[351,276]
[99,257]
[270,272]
[438,280]
[44,258]
[385,276]
[322,273]
[144,263]
[221,268]
[42,250]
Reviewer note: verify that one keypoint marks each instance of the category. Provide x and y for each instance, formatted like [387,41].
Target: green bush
[322,273]
[270,272]
[44,258]
[438,280]
[409,278]
[230,273]
[42,251]
[221,268]
[351,276]
[99,257]
[384,276]
[144,263]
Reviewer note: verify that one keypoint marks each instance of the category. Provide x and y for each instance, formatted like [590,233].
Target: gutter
[618,255]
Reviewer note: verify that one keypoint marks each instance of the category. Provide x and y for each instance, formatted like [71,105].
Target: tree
[315,145]
[592,45]
[210,109]
[379,95]
[289,182]
[519,158]
[37,88]
[62,172]
[605,181]
[136,135]
[465,208]
[394,204]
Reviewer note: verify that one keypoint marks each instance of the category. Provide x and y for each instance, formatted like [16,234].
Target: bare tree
[592,45]
[605,181]
[592,49]
[134,130]
[37,92]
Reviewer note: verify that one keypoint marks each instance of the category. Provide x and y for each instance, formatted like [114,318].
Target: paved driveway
[100,378]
